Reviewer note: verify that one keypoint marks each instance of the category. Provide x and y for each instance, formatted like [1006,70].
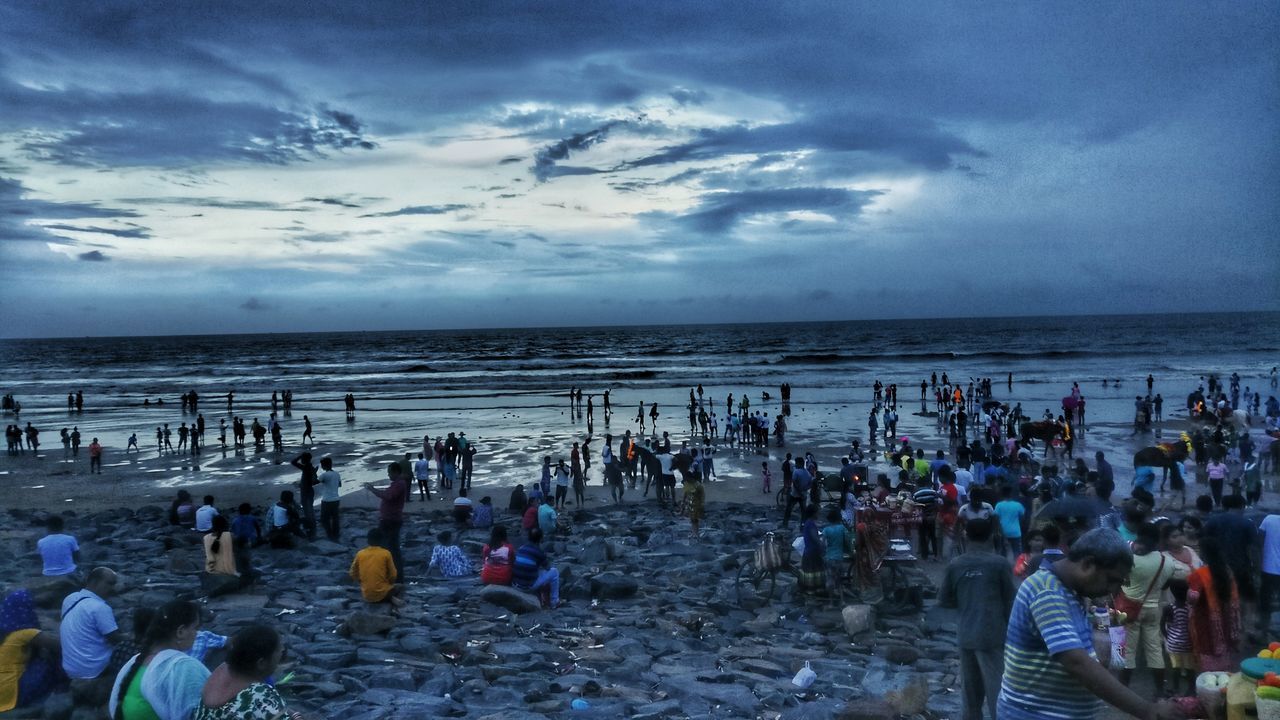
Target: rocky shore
[655,626]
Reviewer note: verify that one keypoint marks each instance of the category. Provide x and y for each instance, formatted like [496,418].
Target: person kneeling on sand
[374,569]
[533,571]
[448,557]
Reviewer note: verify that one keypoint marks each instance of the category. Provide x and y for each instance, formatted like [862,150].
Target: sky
[195,167]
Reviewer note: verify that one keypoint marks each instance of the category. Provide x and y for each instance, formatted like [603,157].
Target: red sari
[1215,626]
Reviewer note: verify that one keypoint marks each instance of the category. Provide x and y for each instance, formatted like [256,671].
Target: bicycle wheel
[781,499]
[749,576]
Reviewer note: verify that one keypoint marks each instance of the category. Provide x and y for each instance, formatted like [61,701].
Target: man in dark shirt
[980,585]
[391,512]
[1233,530]
[532,570]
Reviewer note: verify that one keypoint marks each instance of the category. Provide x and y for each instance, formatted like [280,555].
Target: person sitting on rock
[237,688]
[497,558]
[482,514]
[448,558]
[547,519]
[374,569]
[182,511]
[29,670]
[286,522]
[220,575]
[88,632]
[462,507]
[162,680]
[519,500]
[532,570]
[530,519]
[58,550]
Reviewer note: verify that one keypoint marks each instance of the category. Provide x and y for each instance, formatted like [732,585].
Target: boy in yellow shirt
[374,569]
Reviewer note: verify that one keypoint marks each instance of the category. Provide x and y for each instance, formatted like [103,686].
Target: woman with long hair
[497,558]
[1215,610]
[162,680]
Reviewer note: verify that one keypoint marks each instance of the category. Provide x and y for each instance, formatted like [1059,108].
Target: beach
[508,390]
[658,624]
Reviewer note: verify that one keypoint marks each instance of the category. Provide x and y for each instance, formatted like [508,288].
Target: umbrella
[1069,403]
[990,405]
[1073,506]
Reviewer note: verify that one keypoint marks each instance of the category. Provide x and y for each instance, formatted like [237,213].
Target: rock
[613,586]
[858,619]
[656,710]
[901,654]
[866,709]
[912,698]
[333,592]
[364,623]
[510,599]
[396,680]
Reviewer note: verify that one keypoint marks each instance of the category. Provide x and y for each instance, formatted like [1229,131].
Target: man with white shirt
[87,634]
[422,473]
[330,482]
[205,515]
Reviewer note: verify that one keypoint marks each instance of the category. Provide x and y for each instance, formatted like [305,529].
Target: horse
[1043,430]
[1164,455]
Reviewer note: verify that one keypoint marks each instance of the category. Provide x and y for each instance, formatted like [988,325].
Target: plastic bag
[1118,647]
[798,544]
[805,677]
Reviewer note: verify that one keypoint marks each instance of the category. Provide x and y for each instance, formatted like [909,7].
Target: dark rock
[509,598]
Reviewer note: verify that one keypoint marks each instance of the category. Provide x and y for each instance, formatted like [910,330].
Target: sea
[826,362]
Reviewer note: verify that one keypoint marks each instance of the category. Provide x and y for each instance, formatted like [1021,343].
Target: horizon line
[650,325]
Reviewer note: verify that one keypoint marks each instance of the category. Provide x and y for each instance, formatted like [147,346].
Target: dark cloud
[544,162]
[719,212]
[168,128]
[339,202]
[132,232]
[253,304]
[510,159]
[419,210]
[915,141]
[18,209]
[93,256]
[215,202]
[687,96]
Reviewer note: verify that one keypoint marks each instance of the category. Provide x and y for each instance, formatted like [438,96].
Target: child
[768,477]
[1175,627]
[376,572]
[1029,560]
[449,558]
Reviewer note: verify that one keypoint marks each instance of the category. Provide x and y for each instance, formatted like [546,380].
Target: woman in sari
[30,667]
[1215,610]
[813,574]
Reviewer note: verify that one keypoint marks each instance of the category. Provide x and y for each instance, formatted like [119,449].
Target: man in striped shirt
[1051,671]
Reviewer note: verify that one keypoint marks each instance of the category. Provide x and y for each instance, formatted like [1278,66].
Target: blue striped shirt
[1047,619]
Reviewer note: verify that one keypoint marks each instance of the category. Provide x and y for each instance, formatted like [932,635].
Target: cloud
[544,161]
[215,202]
[168,128]
[719,212]
[94,256]
[419,210]
[339,202]
[915,141]
[18,210]
[253,304]
[133,232]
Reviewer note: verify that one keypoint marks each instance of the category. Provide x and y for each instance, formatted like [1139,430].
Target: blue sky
[194,167]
